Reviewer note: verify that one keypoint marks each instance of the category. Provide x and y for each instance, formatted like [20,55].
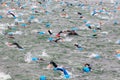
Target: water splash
[28,57]
[68,39]
[44,53]
[118,42]
[4,76]
[118,56]
[96,56]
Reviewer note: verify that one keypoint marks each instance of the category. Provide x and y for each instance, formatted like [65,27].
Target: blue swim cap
[47,12]
[55,69]
[13,28]
[118,55]
[101,11]
[1,17]
[32,17]
[94,30]
[85,21]
[118,41]
[50,39]
[66,76]
[48,24]
[86,69]
[10,33]
[41,33]
[19,19]
[23,24]
[74,28]
[88,24]
[14,17]
[42,77]
[97,56]
[80,49]
[34,59]
[115,22]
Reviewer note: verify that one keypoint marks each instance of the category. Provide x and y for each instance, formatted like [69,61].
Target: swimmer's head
[87,64]
[52,64]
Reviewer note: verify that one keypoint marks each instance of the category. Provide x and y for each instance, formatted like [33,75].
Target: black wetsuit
[77,45]
[50,32]
[53,63]
[17,45]
[57,40]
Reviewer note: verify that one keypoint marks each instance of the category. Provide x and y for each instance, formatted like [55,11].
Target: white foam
[18,32]
[118,58]
[9,16]
[2,26]
[103,17]
[111,1]
[93,55]
[35,20]
[104,33]
[1,32]
[117,42]
[20,21]
[28,57]
[44,53]
[4,76]
[8,44]
[3,11]
[34,6]
[34,31]
[68,39]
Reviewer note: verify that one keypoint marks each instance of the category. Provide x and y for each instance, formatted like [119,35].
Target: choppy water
[99,51]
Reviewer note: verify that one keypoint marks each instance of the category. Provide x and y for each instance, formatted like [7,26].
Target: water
[64,52]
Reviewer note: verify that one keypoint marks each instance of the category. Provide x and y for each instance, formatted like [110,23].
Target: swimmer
[9,12]
[55,67]
[87,68]
[57,40]
[50,32]
[78,46]
[37,59]
[14,43]
[71,32]
[58,35]
[52,64]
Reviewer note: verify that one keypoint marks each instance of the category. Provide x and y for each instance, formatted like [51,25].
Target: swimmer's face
[49,66]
